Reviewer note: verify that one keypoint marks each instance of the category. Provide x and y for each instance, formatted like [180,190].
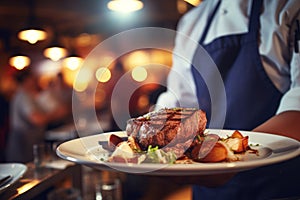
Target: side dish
[175,135]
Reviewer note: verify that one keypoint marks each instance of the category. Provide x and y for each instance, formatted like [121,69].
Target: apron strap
[210,18]
[254,23]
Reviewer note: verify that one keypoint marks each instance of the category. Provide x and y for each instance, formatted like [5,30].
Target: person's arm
[42,119]
[286,124]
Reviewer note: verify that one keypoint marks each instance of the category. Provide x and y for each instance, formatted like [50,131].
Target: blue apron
[251,99]
[251,96]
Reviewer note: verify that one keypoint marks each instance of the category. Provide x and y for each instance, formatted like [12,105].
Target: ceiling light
[125,6]
[55,51]
[19,61]
[72,62]
[32,33]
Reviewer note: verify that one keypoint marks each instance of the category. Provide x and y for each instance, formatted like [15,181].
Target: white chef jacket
[276,47]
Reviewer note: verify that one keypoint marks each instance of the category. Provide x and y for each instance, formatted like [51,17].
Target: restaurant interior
[70,30]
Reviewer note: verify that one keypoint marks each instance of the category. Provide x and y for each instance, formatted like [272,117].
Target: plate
[14,170]
[272,149]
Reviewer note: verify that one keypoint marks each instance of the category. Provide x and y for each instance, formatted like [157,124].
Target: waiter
[251,44]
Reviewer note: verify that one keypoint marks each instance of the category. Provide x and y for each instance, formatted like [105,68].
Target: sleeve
[291,99]
[180,84]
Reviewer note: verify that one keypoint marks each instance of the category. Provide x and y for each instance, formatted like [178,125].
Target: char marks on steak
[168,126]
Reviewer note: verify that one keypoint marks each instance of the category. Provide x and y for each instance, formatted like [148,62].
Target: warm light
[136,58]
[55,53]
[69,75]
[125,6]
[19,62]
[83,79]
[193,2]
[32,35]
[100,96]
[80,86]
[139,74]
[181,6]
[103,74]
[27,186]
[143,101]
[72,62]
[84,40]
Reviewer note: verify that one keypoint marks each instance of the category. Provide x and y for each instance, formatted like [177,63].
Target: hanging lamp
[73,61]
[19,61]
[125,6]
[55,51]
[32,33]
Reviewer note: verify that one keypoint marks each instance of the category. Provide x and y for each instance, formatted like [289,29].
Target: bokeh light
[139,74]
[103,74]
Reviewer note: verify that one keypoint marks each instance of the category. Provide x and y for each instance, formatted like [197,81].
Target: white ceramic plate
[15,170]
[272,149]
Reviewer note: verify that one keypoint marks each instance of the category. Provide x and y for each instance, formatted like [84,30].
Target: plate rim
[22,168]
[185,169]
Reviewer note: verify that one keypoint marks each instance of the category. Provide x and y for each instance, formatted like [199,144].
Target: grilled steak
[169,128]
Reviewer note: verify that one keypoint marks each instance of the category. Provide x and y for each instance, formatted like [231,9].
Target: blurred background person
[27,118]
[57,94]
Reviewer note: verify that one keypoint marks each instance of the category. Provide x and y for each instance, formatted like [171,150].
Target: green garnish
[199,138]
[252,145]
[151,149]
[138,151]
[156,155]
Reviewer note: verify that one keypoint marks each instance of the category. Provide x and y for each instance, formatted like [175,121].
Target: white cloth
[276,47]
